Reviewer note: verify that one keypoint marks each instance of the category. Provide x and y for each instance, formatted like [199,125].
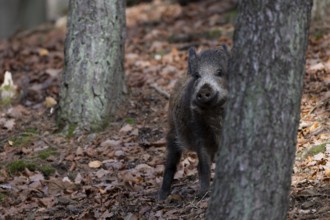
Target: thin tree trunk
[320,10]
[256,156]
[93,81]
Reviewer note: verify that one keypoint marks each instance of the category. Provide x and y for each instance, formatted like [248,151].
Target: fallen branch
[160,90]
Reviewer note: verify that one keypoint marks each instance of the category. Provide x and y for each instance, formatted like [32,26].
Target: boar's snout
[205,96]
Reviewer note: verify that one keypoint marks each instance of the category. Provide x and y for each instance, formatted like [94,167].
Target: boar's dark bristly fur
[195,115]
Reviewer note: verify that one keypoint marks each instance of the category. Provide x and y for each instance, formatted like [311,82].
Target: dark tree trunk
[257,150]
[93,81]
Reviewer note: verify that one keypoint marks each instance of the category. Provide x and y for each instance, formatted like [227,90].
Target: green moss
[230,17]
[46,170]
[172,39]
[5,101]
[318,34]
[30,131]
[316,149]
[2,197]
[130,121]
[71,175]
[44,154]
[214,34]
[24,138]
[71,130]
[20,141]
[20,165]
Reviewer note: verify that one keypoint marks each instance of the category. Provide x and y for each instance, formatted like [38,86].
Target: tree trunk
[56,8]
[257,150]
[320,10]
[93,80]
[16,15]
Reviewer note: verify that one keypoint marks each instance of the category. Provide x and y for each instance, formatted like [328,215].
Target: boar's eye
[219,72]
[196,75]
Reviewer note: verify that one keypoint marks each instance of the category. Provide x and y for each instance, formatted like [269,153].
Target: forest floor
[116,173]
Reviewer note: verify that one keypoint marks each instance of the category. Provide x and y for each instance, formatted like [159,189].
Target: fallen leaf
[319,156]
[95,164]
[9,124]
[327,172]
[36,177]
[43,52]
[314,126]
[5,186]
[78,179]
[131,216]
[54,186]
[47,202]
[135,132]
[126,129]
[110,143]
[17,111]
[79,151]
[113,164]
[50,102]
[144,168]
[327,149]
[102,172]
[66,179]
[120,154]
[174,198]
[54,72]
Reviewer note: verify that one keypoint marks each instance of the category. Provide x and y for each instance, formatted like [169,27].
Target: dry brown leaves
[116,174]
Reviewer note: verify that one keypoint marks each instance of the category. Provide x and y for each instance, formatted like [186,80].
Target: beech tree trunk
[93,80]
[256,156]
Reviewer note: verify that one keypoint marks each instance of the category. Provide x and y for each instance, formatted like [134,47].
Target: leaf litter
[115,174]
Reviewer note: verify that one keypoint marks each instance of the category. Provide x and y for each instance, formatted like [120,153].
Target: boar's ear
[224,48]
[192,61]
[225,57]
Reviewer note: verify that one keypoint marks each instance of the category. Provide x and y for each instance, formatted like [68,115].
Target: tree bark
[93,80]
[256,155]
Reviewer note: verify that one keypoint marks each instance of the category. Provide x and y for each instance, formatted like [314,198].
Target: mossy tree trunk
[93,80]
[256,156]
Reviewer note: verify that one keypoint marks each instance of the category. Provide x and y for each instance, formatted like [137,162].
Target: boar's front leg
[204,170]
[173,157]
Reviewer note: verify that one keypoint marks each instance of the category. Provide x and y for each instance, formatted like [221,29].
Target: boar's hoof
[162,195]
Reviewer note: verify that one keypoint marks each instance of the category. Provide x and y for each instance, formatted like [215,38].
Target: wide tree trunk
[256,155]
[93,80]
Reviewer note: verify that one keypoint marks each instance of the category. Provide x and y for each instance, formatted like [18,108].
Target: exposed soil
[116,173]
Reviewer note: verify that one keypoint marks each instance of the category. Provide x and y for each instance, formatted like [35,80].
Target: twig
[319,104]
[160,90]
